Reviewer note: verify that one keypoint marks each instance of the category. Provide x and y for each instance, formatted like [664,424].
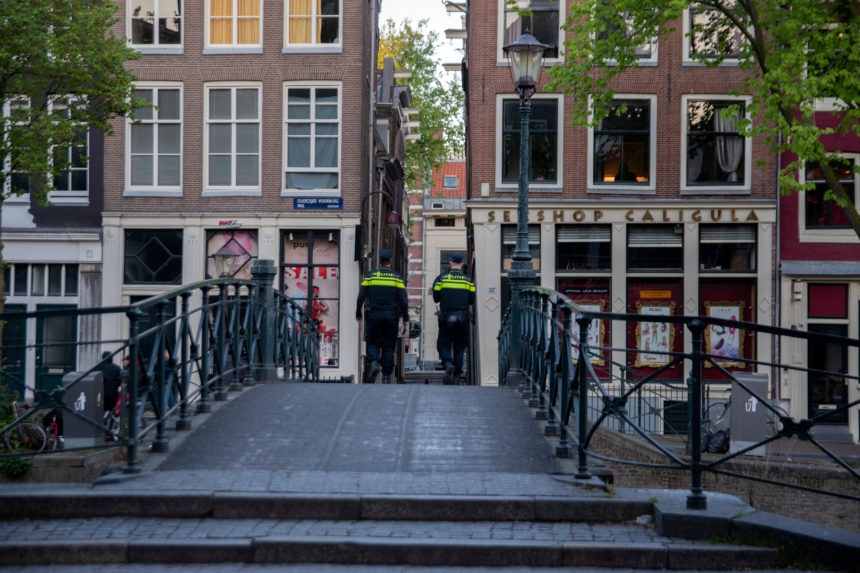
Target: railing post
[696,499]
[535,347]
[263,272]
[543,357]
[160,442]
[131,465]
[551,428]
[184,420]
[582,416]
[220,394]
[249,327]
[563,449]
[236,340]
[204,406]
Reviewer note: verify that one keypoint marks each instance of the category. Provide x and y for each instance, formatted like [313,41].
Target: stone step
[463,544]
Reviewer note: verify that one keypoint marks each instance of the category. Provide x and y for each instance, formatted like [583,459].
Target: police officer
[454,292]
[385,293]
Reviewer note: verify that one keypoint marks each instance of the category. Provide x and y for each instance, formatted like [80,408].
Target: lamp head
[526,55]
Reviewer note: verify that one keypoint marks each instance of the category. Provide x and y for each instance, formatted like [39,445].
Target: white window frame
[156,190]
[312,47]
[285,192]
[746,188]
[501,60]
[232,190]
[534,187]
[819,235]
[155,47]
[688,59]
[234,47]
[626,189]
[456,181]
[23,198]
[642,61]
[58,197]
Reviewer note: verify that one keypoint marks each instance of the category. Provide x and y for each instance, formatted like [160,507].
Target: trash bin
[85,398]
[749,418]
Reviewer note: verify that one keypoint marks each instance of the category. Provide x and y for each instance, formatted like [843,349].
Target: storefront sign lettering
[655,294]
[632,215]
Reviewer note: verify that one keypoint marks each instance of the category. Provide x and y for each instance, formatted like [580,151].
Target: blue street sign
[318,203]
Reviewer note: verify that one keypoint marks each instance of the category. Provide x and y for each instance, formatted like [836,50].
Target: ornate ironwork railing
[580,385]
[184,348]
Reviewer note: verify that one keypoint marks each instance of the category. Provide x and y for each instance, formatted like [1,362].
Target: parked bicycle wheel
[25,437]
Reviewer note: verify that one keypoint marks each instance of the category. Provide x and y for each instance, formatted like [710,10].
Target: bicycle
[26,435]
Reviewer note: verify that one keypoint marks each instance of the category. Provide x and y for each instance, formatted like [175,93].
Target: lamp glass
[525,55]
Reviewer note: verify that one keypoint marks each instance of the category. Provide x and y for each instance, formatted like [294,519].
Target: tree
[62,72]
[439,103]
[797,53]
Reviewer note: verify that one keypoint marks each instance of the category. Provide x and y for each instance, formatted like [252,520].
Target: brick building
[258,144]
[663,209]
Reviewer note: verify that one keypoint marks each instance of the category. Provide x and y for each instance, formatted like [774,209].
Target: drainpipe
[778,306]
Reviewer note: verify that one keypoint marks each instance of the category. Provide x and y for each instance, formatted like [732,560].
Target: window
[623,144]
[312,133]
[543,141]
[155,140]
[646,53]
[449,181]
[825,213]
[509,244]
[541,21]
[313,22]
[711,35]
[444,222]
[17,110]
[73,183]
[232,138]
[311,277]
[716,154]
[47,279]
[655,248]
[729,248]
[583,248]
[155,23]
[230,254]
[153,256]
[234,23]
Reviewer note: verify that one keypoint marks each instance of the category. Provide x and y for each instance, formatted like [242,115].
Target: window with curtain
[715,149]
[232,134]
[313,22]
[312,134]
[155,139]
[543,140]
[655,248]
[622,144]
[155,22]
[730,248]
[823,212]
[234,22]
[540,18]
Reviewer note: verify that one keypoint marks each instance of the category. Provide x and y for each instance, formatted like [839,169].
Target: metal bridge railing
[562,374]
[177,358]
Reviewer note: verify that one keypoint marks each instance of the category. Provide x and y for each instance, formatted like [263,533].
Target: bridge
[230,448]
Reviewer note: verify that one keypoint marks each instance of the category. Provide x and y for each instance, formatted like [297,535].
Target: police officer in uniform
[385,293]
[454,292]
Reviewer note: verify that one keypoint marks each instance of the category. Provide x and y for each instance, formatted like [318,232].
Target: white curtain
[729,148]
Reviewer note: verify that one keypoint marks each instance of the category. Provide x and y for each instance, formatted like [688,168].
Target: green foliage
[797,53]
[57,54]
[12,467]
[439,102]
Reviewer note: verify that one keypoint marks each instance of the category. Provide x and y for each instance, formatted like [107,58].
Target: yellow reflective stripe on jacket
[383,281]
[459,284]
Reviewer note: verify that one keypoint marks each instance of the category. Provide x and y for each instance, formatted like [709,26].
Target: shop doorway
[827,391]
[56,347]
[14,355]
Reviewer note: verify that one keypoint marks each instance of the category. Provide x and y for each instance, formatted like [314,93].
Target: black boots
[448,379]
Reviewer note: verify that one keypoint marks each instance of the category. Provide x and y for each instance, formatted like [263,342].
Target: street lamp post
[526,57]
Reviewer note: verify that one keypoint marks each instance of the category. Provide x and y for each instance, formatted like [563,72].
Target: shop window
[71,285]
[655,248]
[509,244]
[153,256]
[727,299]
[828,301]
[727,248]
[583,248]
[822,212]
[230,254]
[311,276]
[540,18]
[44,279]
[21,274]
[590,295]
[623,144]
[716,152]
[543,141]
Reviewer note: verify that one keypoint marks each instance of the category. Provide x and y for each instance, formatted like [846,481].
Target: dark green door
[56,349]
[14,352]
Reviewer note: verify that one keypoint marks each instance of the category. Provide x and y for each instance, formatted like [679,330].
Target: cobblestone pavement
[184,529]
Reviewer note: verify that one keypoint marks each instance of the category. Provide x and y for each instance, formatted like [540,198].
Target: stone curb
[390,551]
[233,505]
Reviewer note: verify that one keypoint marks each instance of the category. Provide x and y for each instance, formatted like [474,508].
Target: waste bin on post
[85,398]
[749,418]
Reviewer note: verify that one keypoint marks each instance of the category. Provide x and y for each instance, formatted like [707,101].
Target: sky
[439,21]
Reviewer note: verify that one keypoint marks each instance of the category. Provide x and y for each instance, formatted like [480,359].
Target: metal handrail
[196,355]
[558,376]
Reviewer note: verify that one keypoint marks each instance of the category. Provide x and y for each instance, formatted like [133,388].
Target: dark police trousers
[453,330]
[381,334]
